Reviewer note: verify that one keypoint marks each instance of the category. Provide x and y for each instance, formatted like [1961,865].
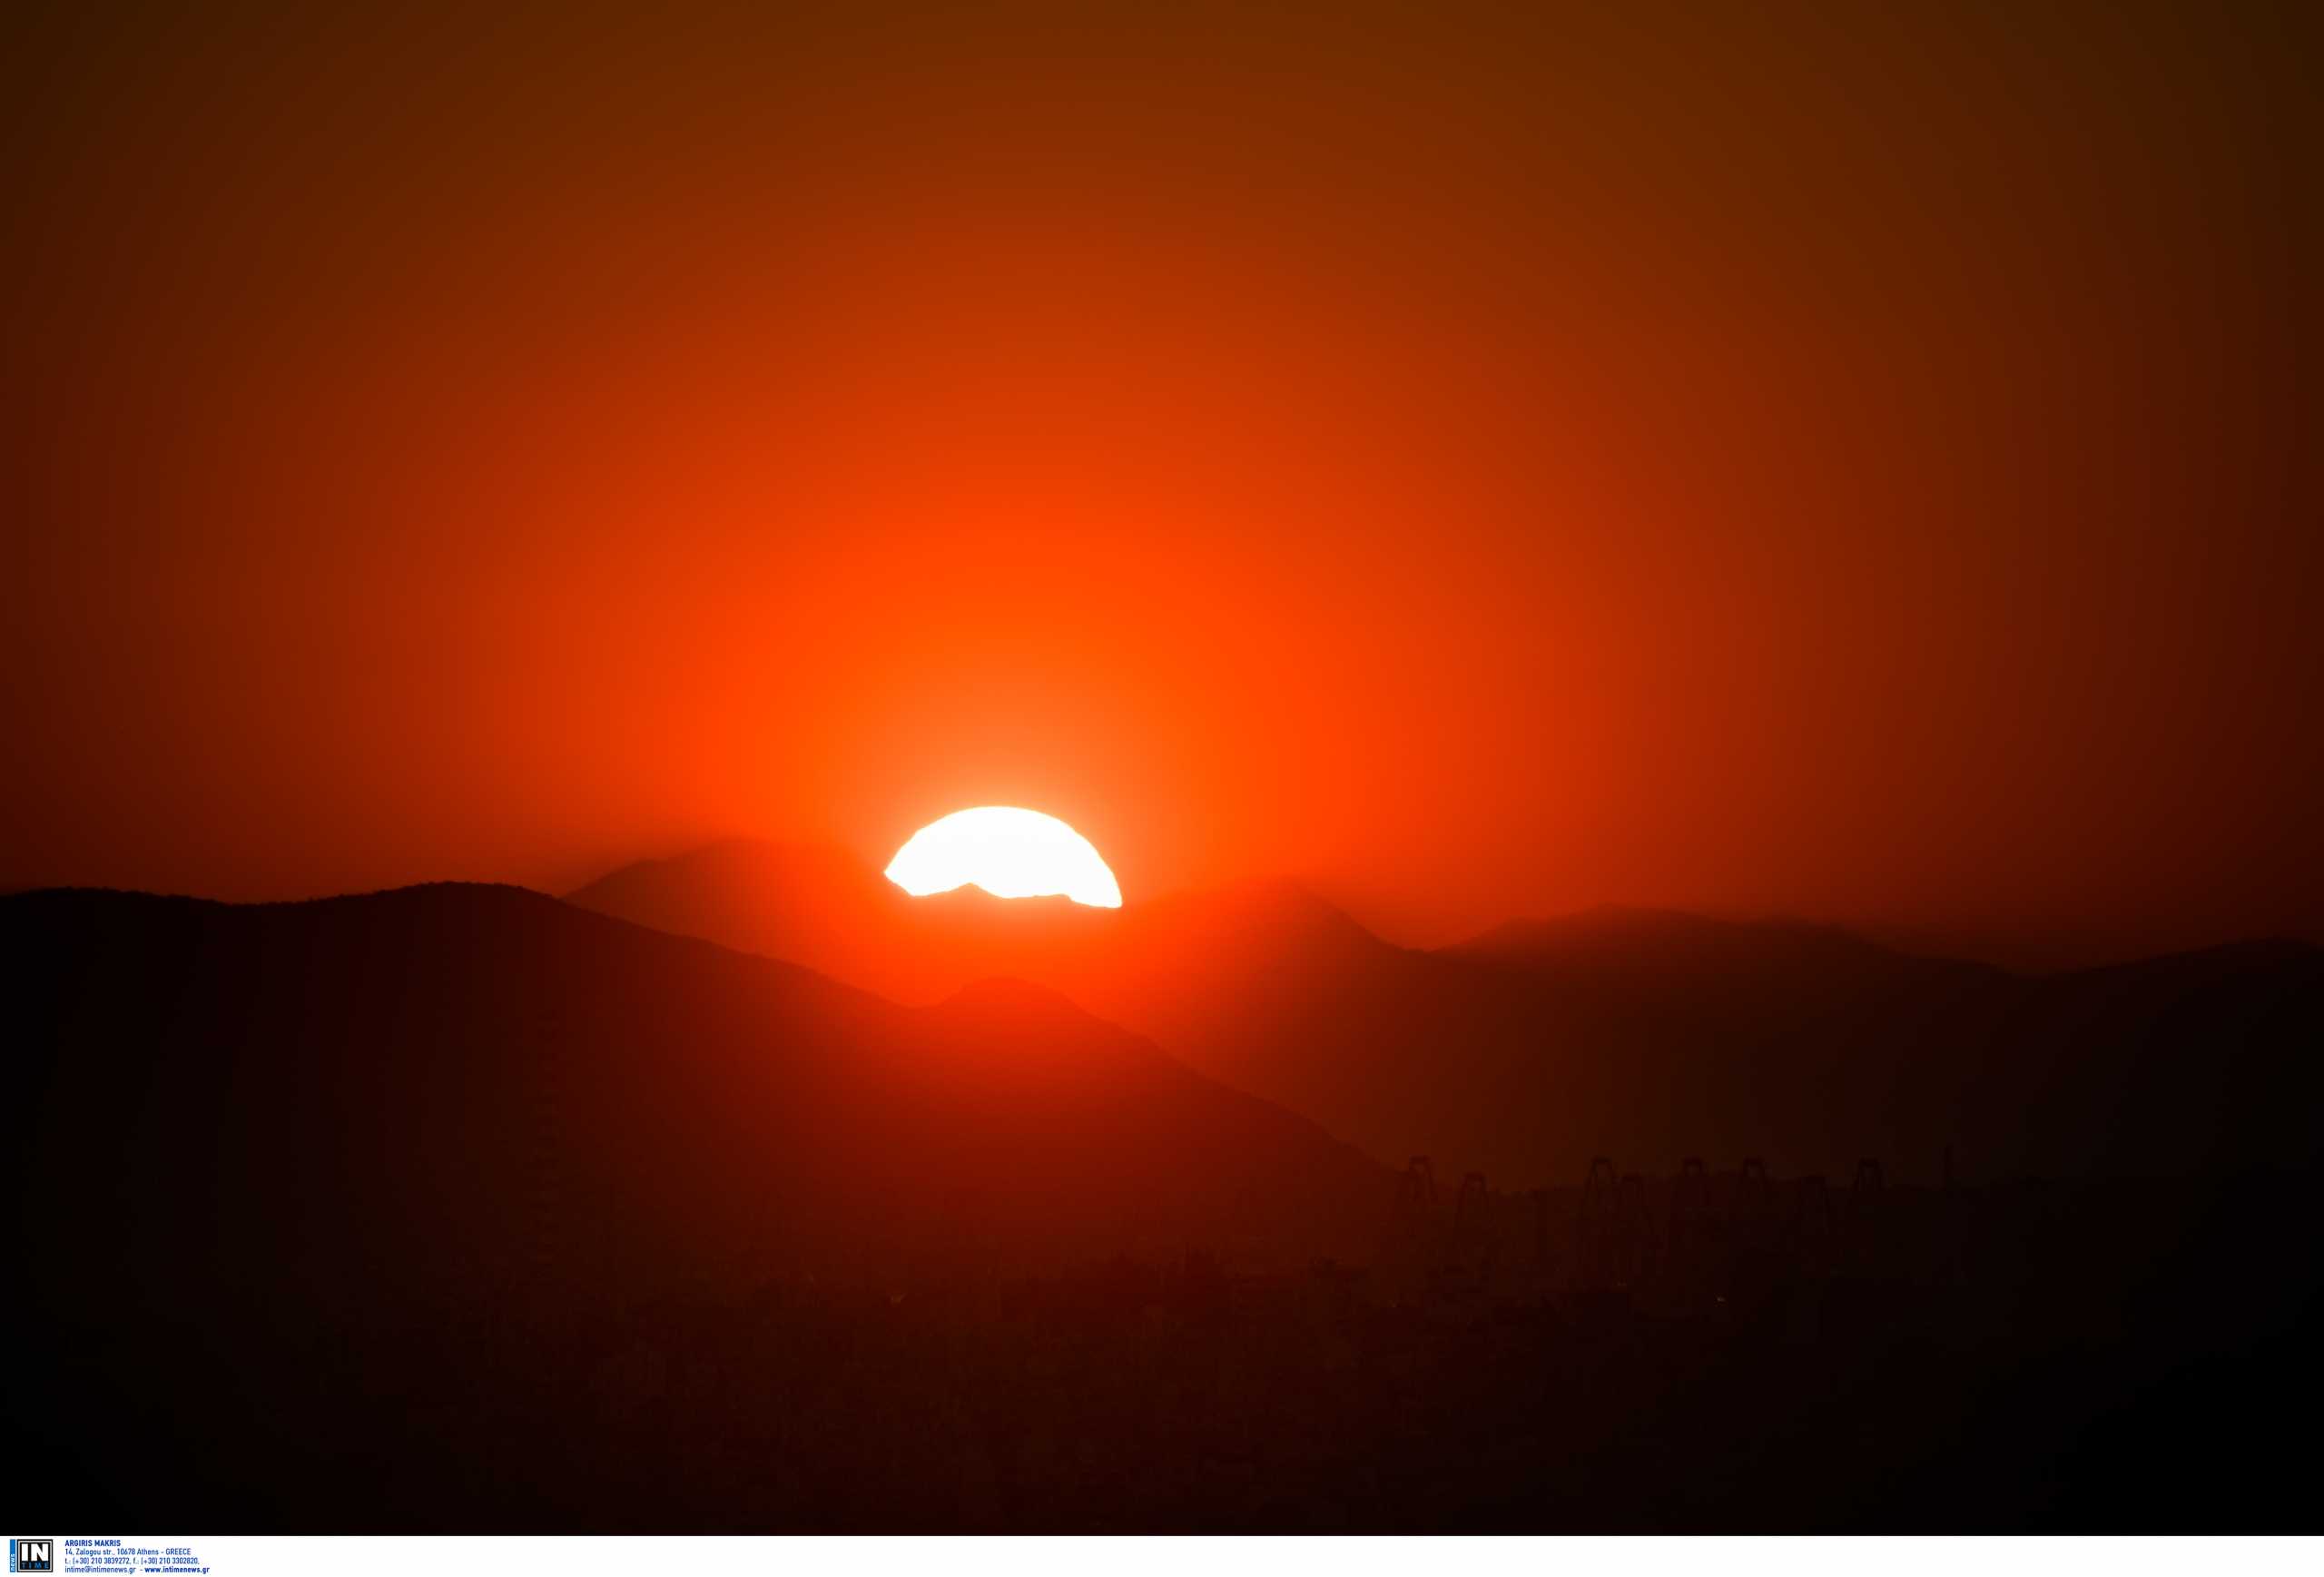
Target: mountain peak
[1008,993]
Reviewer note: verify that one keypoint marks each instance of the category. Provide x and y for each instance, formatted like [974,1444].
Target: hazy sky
[1851,462]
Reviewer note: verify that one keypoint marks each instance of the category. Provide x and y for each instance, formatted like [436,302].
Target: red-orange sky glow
[1480,465]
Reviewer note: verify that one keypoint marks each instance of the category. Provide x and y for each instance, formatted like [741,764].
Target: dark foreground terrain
[2132,1359]
[459,1208]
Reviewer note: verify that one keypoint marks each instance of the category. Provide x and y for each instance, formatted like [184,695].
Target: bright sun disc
[1009,853]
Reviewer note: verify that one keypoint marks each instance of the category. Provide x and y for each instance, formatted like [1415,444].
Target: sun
[1009,853]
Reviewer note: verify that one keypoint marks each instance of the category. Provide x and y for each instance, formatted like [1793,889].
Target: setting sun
[1009,853]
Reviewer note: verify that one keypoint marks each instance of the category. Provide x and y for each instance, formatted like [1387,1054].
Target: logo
[29,1555]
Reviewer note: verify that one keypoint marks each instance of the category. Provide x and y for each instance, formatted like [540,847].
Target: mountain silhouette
[823,908]
[462,1207]
[1646,1035]
[464,1098]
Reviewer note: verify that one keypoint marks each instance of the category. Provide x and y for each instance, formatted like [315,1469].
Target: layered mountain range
[462,1097]
[1645,1035]
[477,1097]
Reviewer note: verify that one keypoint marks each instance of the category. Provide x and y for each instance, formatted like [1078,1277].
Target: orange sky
[1481,466]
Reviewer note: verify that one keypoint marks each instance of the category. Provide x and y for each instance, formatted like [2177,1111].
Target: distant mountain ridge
[1606,930]
[461,1097]
[1647,1035]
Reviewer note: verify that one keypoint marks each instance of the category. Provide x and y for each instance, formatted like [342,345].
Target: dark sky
[1851,462]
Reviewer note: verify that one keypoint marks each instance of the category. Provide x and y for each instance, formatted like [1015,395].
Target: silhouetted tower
[1599,1225]
[1594,1226]
[1687,1223]
[1690,1194]
[1865,1193]
[1634,1229]
[1751,1263]
[1814,1227]
[1418,1188]
[1470,1206]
